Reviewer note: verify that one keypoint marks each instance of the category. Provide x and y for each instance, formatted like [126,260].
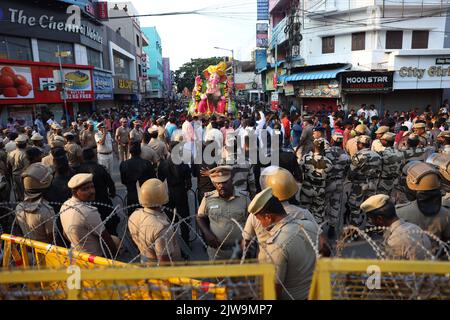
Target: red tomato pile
[13,85]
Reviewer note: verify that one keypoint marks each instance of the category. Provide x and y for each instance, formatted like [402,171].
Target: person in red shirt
[347,132]
[287,127]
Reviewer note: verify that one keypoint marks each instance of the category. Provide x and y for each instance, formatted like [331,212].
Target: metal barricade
[361,279]
[102,278]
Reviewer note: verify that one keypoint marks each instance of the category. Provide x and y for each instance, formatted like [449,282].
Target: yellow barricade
[107,279]
[361,279]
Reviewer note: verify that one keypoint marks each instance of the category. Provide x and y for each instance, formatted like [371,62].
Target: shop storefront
[366,87]
[30,88]
[319,95]
[419,81]
[35,37]
[125,92]
[316,88]
[103,89]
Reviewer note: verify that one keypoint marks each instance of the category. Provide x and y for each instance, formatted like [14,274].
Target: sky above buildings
[222,23]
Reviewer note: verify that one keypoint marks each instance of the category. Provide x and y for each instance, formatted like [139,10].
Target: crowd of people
[334,169]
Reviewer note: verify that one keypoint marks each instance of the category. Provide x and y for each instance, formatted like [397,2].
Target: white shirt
[188,131]
[408,124]
[50,122]
[216,135]
[106,147]
[372,113]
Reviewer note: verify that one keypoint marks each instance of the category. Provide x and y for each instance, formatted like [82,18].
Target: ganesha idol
[215,97]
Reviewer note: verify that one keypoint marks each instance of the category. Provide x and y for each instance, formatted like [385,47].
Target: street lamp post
[60,54]
[232,62]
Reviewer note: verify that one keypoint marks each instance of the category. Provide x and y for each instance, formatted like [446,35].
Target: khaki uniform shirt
[136,135]
[406,241]
[36,219]
[74,153]
[153,234]
[10,146]
[88,139]
[48,162]
[122,135]
[147,153]
[377,146]
[439,225]
[254,228]
[221,211]
[162,134]
[293,256]
[79,219]
[160,148]
[351,147]
[17,161]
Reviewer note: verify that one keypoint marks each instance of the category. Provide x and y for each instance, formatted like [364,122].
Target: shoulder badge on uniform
[209,194]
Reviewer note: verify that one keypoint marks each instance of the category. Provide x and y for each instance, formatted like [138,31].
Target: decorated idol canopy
[213,95]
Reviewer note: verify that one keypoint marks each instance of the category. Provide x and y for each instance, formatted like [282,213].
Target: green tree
[185,75]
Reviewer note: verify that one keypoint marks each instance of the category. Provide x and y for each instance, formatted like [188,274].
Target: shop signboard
[125,86]
[367,82]
[43,84]
[16,82]
[262,35]
[262,10]
[103,85]
[319,90]
[288,89]
[261,59]
[274,101]
[47,23]
[78,84]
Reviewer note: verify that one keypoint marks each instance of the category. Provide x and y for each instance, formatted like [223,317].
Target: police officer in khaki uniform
[441,162]
[74,151]
[150,228]
[426,211]
[17,163]
[216,212]
[137,132]
[419,128]
[122,139]
[286,247]
[402,240]
[87,137]
[157,145]
[57,143]
[81,221]
[147,153]
[162,136]
[443,142]
[284,187]
[38,142]
[34,215]
[377,146]
[352,145]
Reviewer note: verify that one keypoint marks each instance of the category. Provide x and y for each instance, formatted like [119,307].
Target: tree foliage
[185,75]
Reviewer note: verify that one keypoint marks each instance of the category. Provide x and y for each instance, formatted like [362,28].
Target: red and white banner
[40,83]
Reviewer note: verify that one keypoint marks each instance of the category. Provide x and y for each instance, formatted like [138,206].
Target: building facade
[155,63]
[130,65]
[47,64]
[393,54]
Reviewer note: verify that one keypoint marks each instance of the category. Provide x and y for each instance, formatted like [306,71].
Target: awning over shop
[313,75]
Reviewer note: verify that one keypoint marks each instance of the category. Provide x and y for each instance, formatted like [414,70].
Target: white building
[408,38]
[129,28]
